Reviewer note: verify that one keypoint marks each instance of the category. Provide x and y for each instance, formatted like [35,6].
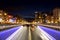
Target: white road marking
[29,34]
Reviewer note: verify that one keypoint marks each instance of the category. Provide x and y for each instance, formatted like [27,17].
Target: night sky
[27,7]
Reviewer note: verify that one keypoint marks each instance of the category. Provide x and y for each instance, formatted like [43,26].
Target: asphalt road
[23,33]
[34,35]
[20,34]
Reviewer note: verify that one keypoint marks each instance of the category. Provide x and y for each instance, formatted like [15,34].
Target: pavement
[51,26]
[3,27]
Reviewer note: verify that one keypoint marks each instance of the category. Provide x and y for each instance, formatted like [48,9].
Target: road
[39,34]
[26,33]
[20,34]
[35,35]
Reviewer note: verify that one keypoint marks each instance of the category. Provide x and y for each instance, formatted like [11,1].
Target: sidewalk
[3,27]
[51,26]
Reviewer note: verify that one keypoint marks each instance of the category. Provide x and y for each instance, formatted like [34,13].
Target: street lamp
[0,19]
[39,16]
[0,14]
[5,13]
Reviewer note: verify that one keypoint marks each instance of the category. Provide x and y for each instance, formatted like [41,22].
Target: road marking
[29,34]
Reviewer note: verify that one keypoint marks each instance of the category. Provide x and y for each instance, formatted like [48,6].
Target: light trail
[15,33]
[20,34]
[45,35]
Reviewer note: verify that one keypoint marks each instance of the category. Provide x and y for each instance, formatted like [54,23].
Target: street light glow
[36,12]
[5,13]
[0,19]
[0,14]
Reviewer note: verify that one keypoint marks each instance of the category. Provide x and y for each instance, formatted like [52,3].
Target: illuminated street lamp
[5,13]
[39,16]
[45,14]
[0,19]
[0,14]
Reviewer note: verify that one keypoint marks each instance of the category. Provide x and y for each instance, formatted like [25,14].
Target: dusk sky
[27,7]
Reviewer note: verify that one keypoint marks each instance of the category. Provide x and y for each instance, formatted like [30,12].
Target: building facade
[56,15]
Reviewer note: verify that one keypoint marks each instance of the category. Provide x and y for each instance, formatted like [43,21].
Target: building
[56,15]
[36,16]
[4,18]
[40,17]
[1,13]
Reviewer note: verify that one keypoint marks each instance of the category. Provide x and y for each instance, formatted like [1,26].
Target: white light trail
[45,35]
[15,34]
